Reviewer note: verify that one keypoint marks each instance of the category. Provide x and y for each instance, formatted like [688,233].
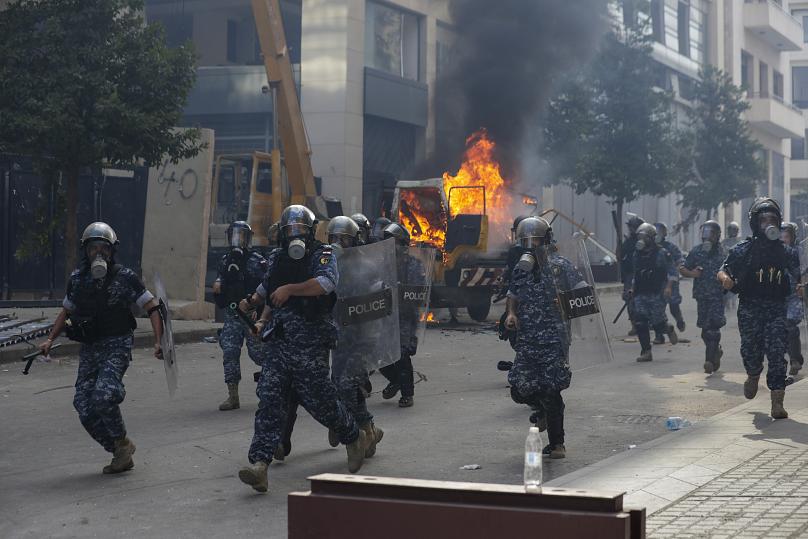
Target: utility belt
[89,329]
[312,308]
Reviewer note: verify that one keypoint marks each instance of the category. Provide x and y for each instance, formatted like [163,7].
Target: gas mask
[98,267]
[772,232]
[707,243]
[769,225]
[526,262]
[642,243]
[296,249]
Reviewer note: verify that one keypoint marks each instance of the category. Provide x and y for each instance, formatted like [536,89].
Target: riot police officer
[702,264]
[377,232]
[400,375]
[541,369]
[795,310]
[297,324]
[364,227]
[652,285]
[240,272]
[96,312]
[627,265]
[764,272]
[730,241]
[675,301]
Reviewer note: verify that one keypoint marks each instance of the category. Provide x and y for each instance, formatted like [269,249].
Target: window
[670,19]
[798,148]
[799,81]
[764,80]
[777,84]
[802,15]
[687,87]
[392,41]
[747,72]
[658,20]
[232,41]
[179,28]
[683,28]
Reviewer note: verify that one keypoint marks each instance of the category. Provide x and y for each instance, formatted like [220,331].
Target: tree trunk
[618,228]
[71,225]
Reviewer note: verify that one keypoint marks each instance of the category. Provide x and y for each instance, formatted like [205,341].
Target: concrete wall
[175,239]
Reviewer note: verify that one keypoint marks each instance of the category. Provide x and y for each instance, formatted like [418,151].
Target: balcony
[773,115]
[770,22]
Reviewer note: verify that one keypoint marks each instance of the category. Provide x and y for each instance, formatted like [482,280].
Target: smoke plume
[506,59]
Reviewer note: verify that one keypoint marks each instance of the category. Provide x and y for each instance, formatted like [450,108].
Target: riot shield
[580,307]
[367,310]
[802,249]
[167,340]
[415,266]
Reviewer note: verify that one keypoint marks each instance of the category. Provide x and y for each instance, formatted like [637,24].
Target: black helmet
[239,235]
[395,230]
[361,221]
[296,221]
[531,228]
[634,221]
[712,228]
[343,231]
[273,234]
[648,230]
[99,231]
[662,230]
[377,233]
[760,206]
[733,229]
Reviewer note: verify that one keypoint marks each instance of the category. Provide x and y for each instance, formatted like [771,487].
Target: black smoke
[507,58]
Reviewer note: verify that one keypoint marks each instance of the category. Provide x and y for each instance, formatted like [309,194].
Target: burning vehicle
[467,218]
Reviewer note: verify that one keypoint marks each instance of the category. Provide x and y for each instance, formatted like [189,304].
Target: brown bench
[363,506]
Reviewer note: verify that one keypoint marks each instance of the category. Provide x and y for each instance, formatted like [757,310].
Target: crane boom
[297,154]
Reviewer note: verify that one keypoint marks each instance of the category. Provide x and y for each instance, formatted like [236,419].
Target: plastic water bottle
[533,464]
[676,423]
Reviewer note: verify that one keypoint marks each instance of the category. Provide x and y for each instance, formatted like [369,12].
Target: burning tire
[478,311]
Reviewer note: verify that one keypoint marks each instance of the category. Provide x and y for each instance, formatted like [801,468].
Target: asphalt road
[184,482]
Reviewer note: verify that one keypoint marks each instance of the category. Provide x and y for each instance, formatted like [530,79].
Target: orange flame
[428,317]
[477,188]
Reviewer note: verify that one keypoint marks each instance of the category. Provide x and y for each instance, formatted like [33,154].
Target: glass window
[798,148]
[392,41]
[799,81]
[747,72]
[232,41]
[683,28]
[777,84]
[658,20]
[698,40]
[671,20]
[764,80]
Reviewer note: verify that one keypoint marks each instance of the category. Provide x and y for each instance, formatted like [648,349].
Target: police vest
[766,275]
[287,270]
[95,316]
[649,277]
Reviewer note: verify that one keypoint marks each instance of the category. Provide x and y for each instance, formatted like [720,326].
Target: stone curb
[14,354]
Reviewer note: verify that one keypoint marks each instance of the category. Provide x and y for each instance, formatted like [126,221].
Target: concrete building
[753,41]
[799,92]
[366,72]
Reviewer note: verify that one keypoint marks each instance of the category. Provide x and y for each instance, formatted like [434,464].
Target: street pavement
[184,482]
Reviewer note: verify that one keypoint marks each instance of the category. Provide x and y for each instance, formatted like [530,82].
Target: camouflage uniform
[675,300]
[298,362]
[104,360]
[627,273]
[730,298]
[795,314]
[654,263]
[709,295]
[412,271]
[541,369]
[234,332]
[762,305]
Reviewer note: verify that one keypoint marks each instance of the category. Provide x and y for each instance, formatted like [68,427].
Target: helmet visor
[531,242]
[238,237]
[96,247]
[768,219]
[343,240]
[295,230]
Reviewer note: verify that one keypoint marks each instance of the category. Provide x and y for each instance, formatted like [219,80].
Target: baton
[242,316]
[33,355]
[616,318]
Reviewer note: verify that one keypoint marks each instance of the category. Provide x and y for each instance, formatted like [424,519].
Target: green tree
[86,83]
[725,164]
[611,129]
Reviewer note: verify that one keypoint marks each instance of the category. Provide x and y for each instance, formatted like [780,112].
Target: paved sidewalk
[739,473]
